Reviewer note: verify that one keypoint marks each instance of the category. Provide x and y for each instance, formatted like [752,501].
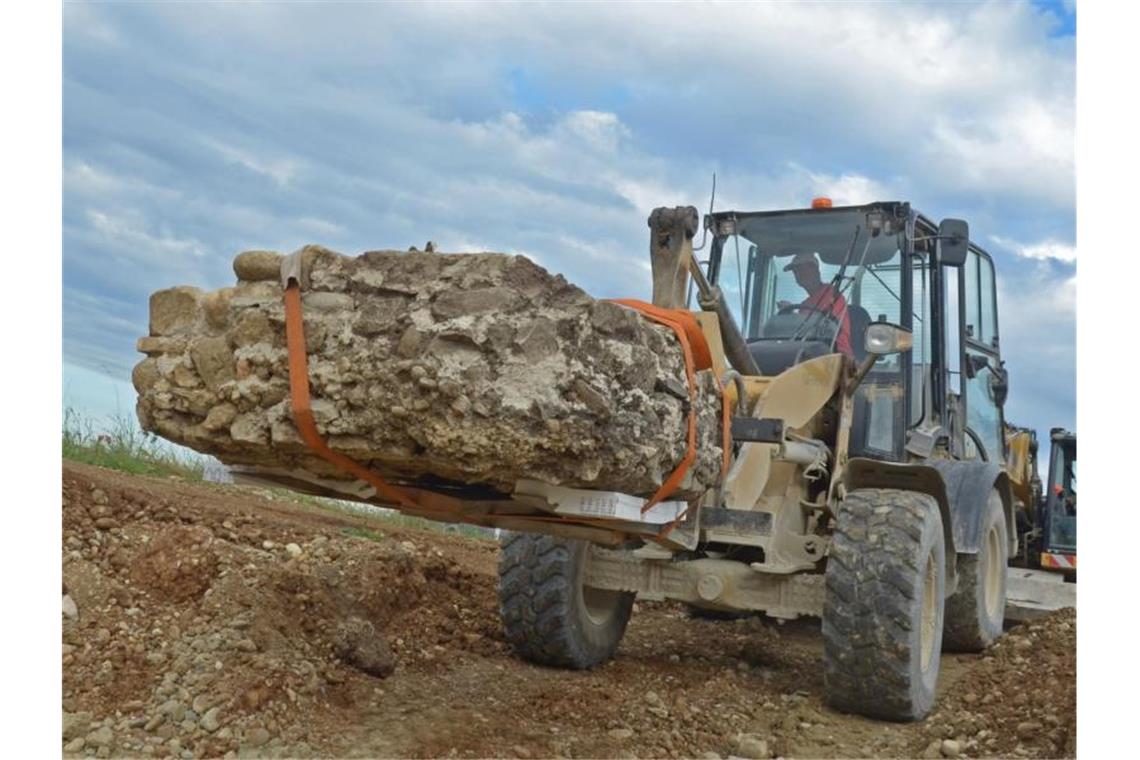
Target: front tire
[884,604]
[550,616]
[975,612]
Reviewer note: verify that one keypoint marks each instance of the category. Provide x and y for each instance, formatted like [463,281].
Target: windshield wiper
[836,291]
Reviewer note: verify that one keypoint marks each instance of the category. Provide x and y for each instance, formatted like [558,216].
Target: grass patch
[418,523]
[381,516]
[364,533]
[123,446]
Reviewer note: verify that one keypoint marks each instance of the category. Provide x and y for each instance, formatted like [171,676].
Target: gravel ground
[207,620]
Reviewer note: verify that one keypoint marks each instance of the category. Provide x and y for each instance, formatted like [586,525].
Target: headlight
[883,338]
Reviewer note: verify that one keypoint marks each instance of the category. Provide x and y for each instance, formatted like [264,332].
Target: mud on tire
[975,612]
[884,604]
[549,617]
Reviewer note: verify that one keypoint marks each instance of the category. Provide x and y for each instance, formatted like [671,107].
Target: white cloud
[128,235]
[1027,148]
[281,170]
[849,189]
[90,24]
[1037,317]
[926,87]
[209,129]
[1044,250]
[320,226]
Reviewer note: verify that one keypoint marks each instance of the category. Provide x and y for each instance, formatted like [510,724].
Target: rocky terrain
[205,620]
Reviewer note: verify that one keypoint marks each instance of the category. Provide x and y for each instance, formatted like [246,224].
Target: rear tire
[975,612]
[884,604]
[549,615]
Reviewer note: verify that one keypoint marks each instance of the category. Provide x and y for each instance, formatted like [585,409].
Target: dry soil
[203,620]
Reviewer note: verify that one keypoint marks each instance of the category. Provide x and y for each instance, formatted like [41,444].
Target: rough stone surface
[752,746]
[174,310]
[211,720]
[75,724]
[101,737]
[471,368]
[358,644]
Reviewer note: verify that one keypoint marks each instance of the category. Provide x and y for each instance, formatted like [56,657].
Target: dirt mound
[1021,700]
[199,630]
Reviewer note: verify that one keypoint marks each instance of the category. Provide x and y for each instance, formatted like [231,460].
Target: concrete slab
[1033,593]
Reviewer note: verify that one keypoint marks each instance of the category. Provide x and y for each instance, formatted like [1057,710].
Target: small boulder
[752,746]
[101,737]
[74,724]
[359,644]
[211,720]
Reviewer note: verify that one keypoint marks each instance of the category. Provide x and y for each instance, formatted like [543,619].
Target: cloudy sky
[192,132]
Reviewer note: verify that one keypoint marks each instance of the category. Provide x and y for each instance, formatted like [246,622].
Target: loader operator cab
[757,261]
[888,263]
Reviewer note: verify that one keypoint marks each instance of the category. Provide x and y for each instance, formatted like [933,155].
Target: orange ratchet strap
[303,413]
[681,322]
[697,357]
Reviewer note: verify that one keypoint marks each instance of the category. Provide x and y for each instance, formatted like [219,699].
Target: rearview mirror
[953,242]
[883,338]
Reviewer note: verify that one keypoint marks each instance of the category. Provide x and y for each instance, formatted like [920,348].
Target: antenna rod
[705,232]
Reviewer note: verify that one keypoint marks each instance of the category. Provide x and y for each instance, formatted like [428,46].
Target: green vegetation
[419,523]
[123,446]
[365,533]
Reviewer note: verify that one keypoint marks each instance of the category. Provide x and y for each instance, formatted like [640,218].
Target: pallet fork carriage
[864,479]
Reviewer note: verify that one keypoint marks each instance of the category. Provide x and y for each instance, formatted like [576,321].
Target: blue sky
[195,131]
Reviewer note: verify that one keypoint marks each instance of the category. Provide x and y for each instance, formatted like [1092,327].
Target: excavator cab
[1059,513]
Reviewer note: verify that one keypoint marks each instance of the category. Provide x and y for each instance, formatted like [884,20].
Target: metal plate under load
[606,505]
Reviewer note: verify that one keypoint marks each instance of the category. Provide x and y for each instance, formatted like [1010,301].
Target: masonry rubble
[479,369]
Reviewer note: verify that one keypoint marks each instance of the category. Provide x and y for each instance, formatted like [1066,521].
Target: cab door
[985,378]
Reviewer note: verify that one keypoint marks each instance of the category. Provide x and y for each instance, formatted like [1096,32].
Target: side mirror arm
[858,372]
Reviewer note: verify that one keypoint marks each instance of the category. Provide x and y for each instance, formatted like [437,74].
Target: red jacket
[828,298]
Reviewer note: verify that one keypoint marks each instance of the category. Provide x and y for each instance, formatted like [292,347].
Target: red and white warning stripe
[1059,561]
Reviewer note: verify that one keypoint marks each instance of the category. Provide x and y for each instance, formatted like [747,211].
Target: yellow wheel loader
[860,353]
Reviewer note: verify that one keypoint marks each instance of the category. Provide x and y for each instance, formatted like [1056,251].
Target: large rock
[470,368]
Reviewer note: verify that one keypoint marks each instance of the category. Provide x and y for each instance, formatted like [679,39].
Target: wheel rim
[992,585]
[929,610]
[597,604]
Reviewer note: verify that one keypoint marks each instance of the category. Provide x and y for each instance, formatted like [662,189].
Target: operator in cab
[822,296]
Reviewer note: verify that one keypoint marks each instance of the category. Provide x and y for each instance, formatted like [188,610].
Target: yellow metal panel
[1019,466]
[710,326]
[794,396]
[748,474]
[798,393]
